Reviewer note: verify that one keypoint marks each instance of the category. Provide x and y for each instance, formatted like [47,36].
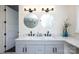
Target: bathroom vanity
[48,45]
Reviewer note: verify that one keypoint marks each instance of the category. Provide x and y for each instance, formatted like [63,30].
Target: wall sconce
[47,10]
[30,10]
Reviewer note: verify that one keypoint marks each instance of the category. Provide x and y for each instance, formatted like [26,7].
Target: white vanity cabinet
[40,47]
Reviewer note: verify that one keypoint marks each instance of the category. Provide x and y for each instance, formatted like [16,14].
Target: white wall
[77,17]
[71,10]
[2,28]
[60,13]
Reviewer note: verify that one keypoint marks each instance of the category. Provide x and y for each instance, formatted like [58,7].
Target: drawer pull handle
[23,49]
[54,50]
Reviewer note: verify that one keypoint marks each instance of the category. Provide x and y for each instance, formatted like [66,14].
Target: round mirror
[47,20]
[31,20]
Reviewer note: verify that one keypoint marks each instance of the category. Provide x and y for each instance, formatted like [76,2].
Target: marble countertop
[40,38]
[73,41]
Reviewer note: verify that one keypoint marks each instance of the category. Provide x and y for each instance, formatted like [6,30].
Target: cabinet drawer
[35,49]
[53,42]
[54,49]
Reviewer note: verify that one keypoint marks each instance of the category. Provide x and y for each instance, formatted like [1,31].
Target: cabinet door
[35,48]
[54,49]
[60,48]
[49,49]
[21,48]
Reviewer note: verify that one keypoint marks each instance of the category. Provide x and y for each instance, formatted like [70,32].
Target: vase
[65,33]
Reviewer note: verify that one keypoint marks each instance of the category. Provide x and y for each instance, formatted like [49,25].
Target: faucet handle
[33,34]
[45,34]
